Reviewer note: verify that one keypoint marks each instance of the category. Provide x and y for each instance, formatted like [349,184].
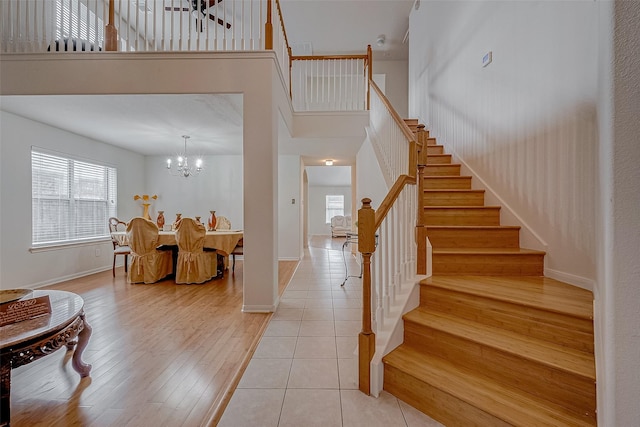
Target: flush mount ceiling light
[380,41]
[328,162]
[184,168]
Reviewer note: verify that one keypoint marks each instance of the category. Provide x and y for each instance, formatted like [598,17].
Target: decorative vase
[160,220]
[145,211]
[175,223]
[212,221]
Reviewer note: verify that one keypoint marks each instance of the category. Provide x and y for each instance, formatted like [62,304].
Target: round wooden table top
[65,307]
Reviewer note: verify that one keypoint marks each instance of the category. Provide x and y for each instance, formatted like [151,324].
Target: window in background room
[334,206]
[72,200]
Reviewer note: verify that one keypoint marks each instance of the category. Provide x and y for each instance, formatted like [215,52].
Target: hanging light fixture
[184,168]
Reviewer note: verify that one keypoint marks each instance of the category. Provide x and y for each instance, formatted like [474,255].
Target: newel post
[421,227]
[268,28]
[111,32]
[366,339]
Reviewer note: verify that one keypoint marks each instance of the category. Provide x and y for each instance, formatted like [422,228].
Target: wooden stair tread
[507,403]
[476,227]
[452,190]
[530,291]
[543,352]
[446,176]
[487,251]
[485,207]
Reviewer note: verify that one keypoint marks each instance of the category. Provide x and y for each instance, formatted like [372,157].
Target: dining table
[222,241]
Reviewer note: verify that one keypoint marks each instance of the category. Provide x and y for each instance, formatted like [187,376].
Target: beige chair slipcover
[148,265]
[194,265]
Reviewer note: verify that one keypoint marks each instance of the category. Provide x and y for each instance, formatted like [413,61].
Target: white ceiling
[329,176]
[146,124]
[152,125]
[348,26]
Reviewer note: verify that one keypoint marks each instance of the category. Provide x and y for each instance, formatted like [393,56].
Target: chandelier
[184,168]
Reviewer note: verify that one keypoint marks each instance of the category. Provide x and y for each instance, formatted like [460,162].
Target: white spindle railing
[394,261]
[142,25]
[329,83]
[280,42]
[389,139]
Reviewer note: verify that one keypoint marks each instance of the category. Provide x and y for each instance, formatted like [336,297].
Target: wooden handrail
[406,131]
[284,30]
[321,57]
[391,197]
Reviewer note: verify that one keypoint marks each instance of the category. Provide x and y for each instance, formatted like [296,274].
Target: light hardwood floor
[162,355]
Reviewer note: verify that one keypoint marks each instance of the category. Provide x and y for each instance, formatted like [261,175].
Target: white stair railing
[391,138]
[329,83]
[390,266]
[394,261]
[142,25]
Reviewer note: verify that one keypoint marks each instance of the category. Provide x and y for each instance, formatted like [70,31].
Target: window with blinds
[72,200]
[334,206]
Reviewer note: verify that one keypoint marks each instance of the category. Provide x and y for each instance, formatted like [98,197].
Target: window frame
[73,195]
[328,209]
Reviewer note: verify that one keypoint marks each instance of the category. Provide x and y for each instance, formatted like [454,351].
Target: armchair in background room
[118,248]
[340,225]
[148,264]
[194,264]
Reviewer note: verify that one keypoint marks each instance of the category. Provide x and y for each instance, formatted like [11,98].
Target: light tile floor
[304,370]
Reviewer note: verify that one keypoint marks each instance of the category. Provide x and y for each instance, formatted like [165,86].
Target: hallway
[304,370]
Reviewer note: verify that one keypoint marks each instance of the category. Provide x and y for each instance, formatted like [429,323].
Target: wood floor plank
[162,354]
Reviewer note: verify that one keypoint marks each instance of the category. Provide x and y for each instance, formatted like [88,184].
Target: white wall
[618,228]
[317,206]
[526,124]
[396,83]
[18,266]
[218,187]
[289,207]
[370,181]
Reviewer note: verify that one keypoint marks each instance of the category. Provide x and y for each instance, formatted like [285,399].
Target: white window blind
[334,206]
[72,200]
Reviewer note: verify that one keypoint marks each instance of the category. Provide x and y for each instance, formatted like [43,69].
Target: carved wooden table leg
[5,390]
[83,339]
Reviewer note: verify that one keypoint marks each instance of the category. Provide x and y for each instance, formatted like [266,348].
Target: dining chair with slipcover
[119,248]
[238,250]
[148,264]
[194,264]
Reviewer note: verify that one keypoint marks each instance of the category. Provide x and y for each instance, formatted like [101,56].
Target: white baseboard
[258,308]
[572,279]
[68,277]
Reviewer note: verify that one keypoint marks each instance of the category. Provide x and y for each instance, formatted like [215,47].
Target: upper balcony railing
[314,82]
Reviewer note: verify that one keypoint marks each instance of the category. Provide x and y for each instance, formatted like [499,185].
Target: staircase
[493,342]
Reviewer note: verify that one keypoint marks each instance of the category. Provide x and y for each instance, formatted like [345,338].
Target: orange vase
[175,224]
[160,220]
[212,221]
